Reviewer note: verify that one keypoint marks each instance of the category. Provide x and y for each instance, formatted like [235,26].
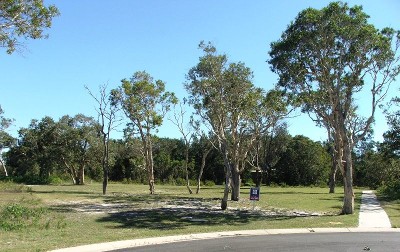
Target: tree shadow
[293,192]
[177,218]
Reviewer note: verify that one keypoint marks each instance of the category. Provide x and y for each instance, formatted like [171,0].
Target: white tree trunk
[4,166]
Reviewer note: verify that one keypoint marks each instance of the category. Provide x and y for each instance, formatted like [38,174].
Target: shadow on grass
[64,192]
[293,192]
[177,218]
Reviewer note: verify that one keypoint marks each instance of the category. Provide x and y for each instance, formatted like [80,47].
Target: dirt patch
[178,207]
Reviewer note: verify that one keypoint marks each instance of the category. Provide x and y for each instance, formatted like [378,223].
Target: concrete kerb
[108,246]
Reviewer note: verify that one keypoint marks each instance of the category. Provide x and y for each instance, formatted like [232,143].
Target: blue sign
[255,193]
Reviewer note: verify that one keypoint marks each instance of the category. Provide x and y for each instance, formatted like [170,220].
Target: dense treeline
[66,150]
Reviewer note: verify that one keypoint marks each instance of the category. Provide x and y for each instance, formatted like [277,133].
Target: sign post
[254,195]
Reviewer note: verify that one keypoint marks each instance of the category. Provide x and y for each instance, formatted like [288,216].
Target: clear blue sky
[97,42]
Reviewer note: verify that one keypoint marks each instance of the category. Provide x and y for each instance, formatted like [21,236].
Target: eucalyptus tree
[232,108]
[24,18]
[145,102]
[76,136]
[323,59]
[178,119]
[107,121]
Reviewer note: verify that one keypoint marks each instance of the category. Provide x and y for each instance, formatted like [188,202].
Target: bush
[391,190]
[180,182]
[209,183]
[16,216]
[29,214]
[55,180]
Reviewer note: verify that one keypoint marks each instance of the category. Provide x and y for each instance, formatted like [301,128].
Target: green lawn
[392,208]
[66,215]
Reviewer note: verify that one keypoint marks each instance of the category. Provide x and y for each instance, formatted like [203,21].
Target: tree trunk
[332,180]
[72,171]
[348,200]
[332,175]
[4,167]
[186,169]
[228,175]
[235,184]
[203,164]
[150,167]
[224,202]
[81,175]
[105,163]
[105,181]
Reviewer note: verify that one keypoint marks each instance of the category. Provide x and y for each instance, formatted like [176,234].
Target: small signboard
[255,193]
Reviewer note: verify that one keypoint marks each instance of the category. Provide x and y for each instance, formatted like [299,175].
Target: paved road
[387,241]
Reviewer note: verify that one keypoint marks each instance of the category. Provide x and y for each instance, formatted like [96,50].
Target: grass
[392,208]
[67,222]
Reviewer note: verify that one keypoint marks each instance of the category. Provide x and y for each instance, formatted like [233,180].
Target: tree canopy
[145,102]
[232,108]
[24,18]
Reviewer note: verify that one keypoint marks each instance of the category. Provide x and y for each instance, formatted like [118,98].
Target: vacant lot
[48,217]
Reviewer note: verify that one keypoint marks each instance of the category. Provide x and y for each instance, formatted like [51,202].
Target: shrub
[16,216]
[391,190]
[55,180]
[22,215]
[209,183]
[180,182]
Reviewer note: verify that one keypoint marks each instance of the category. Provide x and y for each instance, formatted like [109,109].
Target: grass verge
[392,208]
[76,215]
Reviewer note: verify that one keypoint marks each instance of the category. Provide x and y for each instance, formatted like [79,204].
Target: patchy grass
[82,215]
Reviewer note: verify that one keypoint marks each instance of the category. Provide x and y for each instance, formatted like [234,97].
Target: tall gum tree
[232,108]
[145,102]
[24,19]
[323,59]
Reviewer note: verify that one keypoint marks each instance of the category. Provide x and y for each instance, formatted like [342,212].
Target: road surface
[385,241]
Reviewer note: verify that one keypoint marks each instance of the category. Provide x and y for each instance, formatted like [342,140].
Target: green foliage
[50,148]
[143,100]
[209,183]
[4,122]
[26,19]
[391,190]
[56,180]
[391,144]
[303,163]
[16,217]
[29,214]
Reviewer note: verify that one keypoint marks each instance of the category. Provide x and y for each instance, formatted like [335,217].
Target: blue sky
[98,42]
